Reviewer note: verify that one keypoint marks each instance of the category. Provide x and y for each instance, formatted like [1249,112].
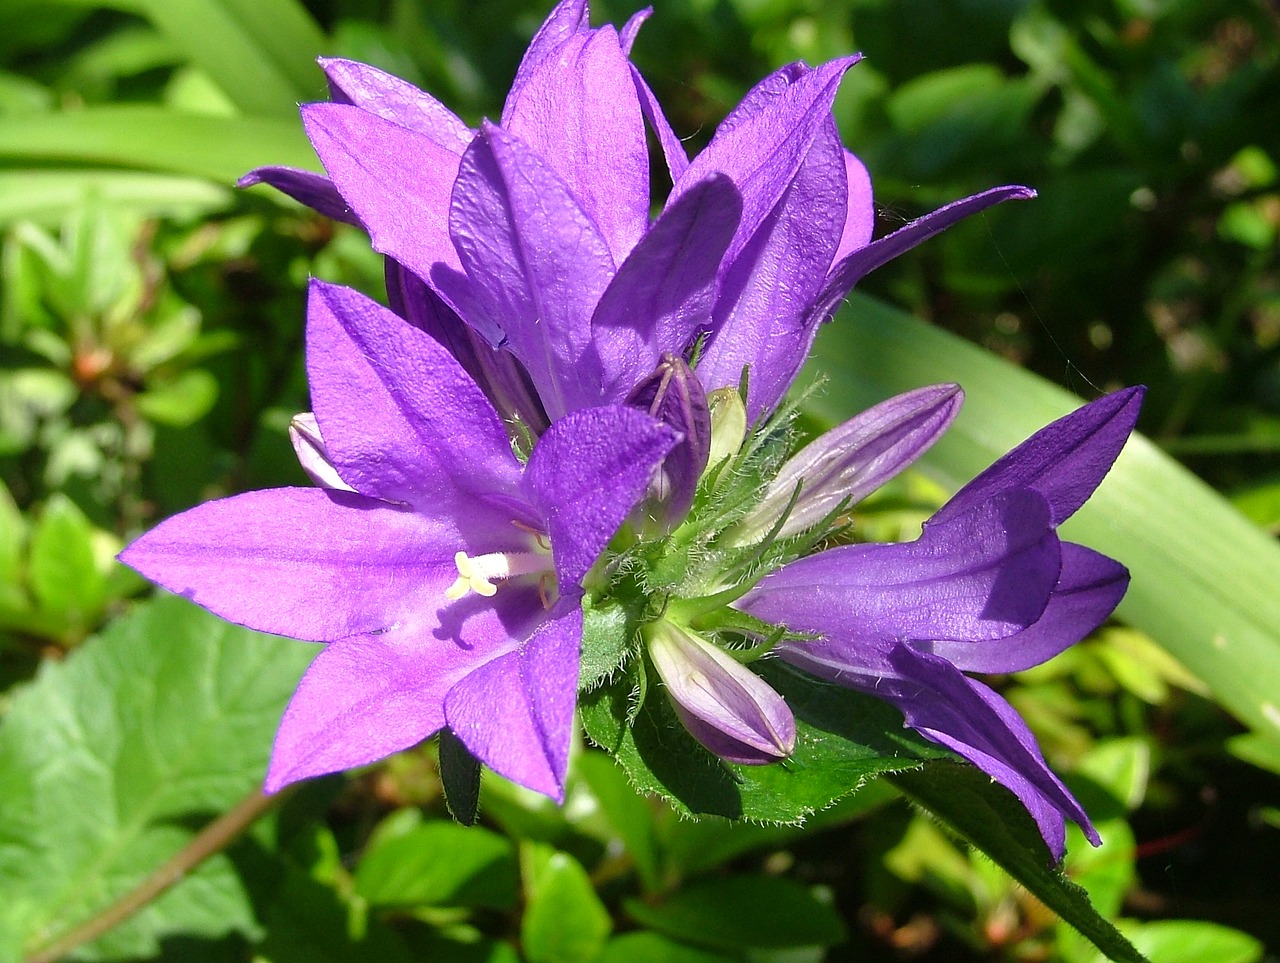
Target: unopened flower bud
[674,395]
[304,432]
[723,704]
[728,424]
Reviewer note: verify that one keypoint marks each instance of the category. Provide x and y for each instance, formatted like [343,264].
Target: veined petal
[371,695]
[586,474]
[662,295]
[396,100]
[771,281]
[398,181]
[567,19]
[307,188]
[761,149]
[400,418]
[972,720]
[1088,590]
[536,261]
[852,460]
[672,150]
[860,219]
[579,110]
[304,562]
[1064,461]
[515,714]
[984,575]
[859,263]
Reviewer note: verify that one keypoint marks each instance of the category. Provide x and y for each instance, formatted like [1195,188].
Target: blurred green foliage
[150,357]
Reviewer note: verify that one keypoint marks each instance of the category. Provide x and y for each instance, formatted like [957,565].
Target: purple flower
[444,576]
[988,587]
[527,248]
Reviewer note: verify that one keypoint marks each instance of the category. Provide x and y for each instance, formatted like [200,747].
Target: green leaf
[64,573]
[108,757]
[155,139]
[438,863]
[46,196]
[629,814]
[1190,941]
[989,817]
[646,947]
[180,401]
[843,738]
[744,912]
[260,52]
[1203,578]
[564,920]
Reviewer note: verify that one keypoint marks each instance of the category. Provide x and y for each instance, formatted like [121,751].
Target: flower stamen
[478,574]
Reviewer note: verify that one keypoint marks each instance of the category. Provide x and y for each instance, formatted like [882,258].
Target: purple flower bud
[674,395]
[723,704]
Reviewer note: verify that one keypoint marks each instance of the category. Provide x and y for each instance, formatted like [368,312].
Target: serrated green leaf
[1203,578]
[564,920]
[438,863]
[742,913]
[161,721]
[156,139]
[843,738]
[989,817]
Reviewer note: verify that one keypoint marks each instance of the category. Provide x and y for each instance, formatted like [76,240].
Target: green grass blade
[1206,582]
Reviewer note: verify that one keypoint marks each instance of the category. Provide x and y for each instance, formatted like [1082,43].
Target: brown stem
[213,838]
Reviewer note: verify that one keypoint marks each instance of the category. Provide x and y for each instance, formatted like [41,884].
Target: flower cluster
[552,418]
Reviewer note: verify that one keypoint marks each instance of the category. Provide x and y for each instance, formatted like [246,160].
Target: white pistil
[478,574]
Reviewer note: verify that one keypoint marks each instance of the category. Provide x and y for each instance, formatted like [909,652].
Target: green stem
[212,839]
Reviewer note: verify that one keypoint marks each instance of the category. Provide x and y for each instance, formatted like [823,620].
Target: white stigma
[478,574]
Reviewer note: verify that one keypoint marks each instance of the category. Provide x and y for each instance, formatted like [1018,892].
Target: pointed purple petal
[852,460]
[1064,461]
[303,562]
[672,150]
[662,295]
[580,112]
[397,181]
[537,263]
[767,290]
[860,220]
[630,29]
[566,20]
[972,720]
[516,713]
[396,100]
[984,575]
[586,474]
[1088,590]
[310,189]
[369,696]
[400,418]
[859,263]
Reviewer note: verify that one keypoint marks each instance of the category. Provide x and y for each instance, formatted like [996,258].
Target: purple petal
[369,696]
[567,19]
[397,181]
[860,220]
[984,575]
[674,396]
[1088,590]
[762,149]
[1064,461]
[537,263]
[852,460]
[579,111]
[672,150]
[586,474]
[972,720]
[859,263]
[303,562]
[723,704]
[630,29]
[310,189]
[400,418]
[766,293]
[313,456]
[662,295]
[497,372]
[396,100]
[515,714]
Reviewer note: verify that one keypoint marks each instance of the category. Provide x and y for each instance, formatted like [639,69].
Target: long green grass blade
[1206,582]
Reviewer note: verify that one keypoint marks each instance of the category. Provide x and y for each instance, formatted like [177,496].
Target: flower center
[478,574]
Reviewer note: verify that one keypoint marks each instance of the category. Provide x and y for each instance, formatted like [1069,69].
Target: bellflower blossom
[527,247]
[444,576]
[988,587]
